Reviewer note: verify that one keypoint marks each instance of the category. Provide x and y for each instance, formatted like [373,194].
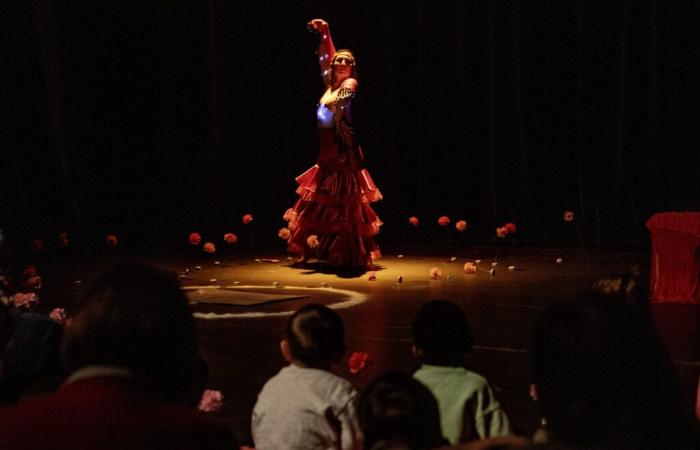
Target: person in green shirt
[468,405]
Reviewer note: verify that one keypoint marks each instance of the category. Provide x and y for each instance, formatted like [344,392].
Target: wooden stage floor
[241,343]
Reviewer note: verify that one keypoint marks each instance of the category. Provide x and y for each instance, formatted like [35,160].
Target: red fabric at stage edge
[675,257]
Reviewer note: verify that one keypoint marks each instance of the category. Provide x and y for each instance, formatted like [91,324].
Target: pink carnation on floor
[209,247]
[501,232]
[568,216]
[247,219]
[358,361]
[510,227]
[435,274]
[413,220]
[284,233]
[461,225]
[443,221]
[22,300]
[211,401]
[312,241]
[195,238]
[58,315]
[230,238]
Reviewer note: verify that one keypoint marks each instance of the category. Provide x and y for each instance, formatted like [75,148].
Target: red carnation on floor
[510,227]
[284,233]
[195,238]
[230,238]
[444,221]
[413,220]
[247,219]
[358,361]
[209,247]
[568,216]
[111,241]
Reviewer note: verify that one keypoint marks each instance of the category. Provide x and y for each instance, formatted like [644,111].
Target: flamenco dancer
[333,221]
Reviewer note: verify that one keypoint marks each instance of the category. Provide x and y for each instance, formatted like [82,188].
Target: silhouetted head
[136,316]
[441,333]
[315,336]
[397,411]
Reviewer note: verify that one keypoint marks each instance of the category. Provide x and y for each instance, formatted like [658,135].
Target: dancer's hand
[319,25]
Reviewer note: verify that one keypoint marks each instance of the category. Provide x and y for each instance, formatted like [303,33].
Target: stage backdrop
[152,119]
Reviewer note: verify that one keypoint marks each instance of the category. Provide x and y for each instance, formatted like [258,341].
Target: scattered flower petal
[560,260]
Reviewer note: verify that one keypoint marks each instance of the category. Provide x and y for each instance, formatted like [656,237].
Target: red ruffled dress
[333,220]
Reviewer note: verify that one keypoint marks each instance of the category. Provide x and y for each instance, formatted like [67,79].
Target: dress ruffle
[335,206]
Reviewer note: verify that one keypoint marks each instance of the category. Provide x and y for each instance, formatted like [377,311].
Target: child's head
[315,337]
[441,334]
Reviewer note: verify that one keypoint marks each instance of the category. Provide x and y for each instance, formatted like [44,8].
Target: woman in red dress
[333,221]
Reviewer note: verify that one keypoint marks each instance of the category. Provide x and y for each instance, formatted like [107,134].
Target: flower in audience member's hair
[211,401]
[568,216]
[111,241]
[435,274]
[230,238]
[312,241]
[209,247]
[413,220]
[58,315]
[510,226]
[461,225]
[37,246]
[501,232]
[24,300]
[469,267]
[195,238]
[63,239]
[358,361]
[247,219]
[284,233]
[443,221]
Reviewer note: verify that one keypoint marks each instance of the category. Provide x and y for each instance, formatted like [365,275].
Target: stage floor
[240,338]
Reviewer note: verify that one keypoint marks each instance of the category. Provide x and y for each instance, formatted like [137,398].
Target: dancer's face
[342,66]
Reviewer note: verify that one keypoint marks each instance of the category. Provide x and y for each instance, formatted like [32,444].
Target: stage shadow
[313,267]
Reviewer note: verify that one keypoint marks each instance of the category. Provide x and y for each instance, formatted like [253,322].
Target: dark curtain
[156,118]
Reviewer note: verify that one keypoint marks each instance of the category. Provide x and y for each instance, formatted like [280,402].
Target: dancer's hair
[441,331]
[316,335]
[353,74]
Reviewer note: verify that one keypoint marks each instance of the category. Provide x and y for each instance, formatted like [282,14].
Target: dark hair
[441,331]
[136,316]
[398,409]
[316,335]
[603,378]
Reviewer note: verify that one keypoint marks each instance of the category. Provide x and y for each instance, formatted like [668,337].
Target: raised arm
[326,49]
